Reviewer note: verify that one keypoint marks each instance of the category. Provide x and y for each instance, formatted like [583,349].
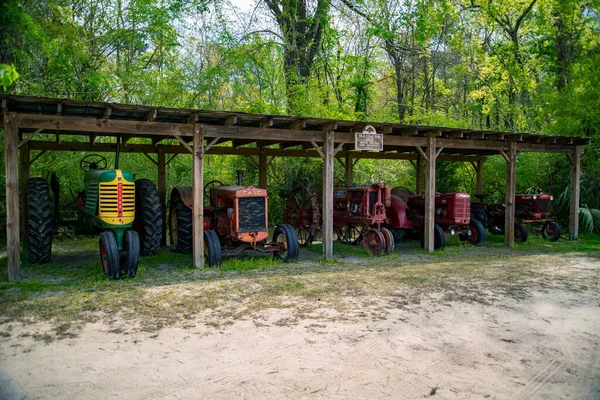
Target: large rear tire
[285,237]
[130,260]
[212,249]
[109,255]
[148,216]
[38,226]
[180,222]
[551,231]
[478,213]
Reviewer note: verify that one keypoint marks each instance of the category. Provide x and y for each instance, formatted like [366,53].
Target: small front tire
[286,239]
[551,231]
[520,233]
[130,260]
[109,255]
[477,233]
[212,249]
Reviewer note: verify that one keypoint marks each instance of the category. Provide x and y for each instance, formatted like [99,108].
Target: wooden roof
[241,133]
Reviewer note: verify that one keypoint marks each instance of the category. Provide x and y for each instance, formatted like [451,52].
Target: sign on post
[368,139]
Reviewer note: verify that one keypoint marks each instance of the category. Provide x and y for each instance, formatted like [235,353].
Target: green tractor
[126,212]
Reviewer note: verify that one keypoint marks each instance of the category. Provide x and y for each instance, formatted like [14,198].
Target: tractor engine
[450,208]
[532,206]
[365,203]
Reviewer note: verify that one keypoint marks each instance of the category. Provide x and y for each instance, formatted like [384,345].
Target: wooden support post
[349,168]
[430,195]
[11,148]
[262,168]
[575,193]
[24,169]
[511,176]
[328,150]
[419,180]
[198,200]
[479,178]
[162,192]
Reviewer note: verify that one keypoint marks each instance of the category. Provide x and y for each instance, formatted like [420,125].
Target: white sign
[368,139]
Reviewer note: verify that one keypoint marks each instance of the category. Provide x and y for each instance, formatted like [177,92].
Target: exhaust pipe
[240,174]
[118,152]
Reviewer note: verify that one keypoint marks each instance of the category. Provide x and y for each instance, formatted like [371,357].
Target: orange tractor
[235,220]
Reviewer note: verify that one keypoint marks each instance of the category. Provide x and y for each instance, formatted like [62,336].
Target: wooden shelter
[261,137]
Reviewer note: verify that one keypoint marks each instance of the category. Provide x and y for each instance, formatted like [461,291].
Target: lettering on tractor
[125,212]
[529,209]
[235,220]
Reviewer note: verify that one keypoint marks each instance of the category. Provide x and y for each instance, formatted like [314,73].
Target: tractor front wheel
[212,249]
[109,255]
[374,242]
[520,233]
[148,216]
[286,239]
[551,231]
[389,240]
[130,260]
[439,239]
[38,226]
[477,233]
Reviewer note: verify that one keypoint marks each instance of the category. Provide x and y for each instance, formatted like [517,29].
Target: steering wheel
[210,185]
[93,161]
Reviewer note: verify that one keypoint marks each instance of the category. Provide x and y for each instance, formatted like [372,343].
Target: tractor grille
[543,205]
[462,208]
[114,205]
[252,215]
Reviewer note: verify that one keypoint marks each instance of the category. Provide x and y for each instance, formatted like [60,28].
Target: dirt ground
[539,346]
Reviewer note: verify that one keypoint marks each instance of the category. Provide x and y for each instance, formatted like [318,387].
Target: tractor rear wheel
[389,240]
[181,226]
[478,213]
[285,237]
[212,249]
[520,233]
[148,216]
[38,226]
[439,239]
[477,233]
[551,231]
[109,255]
[374,242]
[130,260]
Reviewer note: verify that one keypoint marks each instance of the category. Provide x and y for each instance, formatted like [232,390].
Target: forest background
[511,65]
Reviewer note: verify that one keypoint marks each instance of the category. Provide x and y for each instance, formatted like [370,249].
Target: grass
[72,290]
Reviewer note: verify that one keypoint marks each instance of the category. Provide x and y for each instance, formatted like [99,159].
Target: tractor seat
[482,196]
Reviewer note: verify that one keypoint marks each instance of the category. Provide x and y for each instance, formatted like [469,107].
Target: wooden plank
[34,159]
[271,134]
[575,194]
[11,163]
[262,169]
[349,168]
[511,172]
[328,160]
[162,192]
[151,159]
[479,176]
[184,143]
[28,138]
[430,195]
[24,169]
[198,203]
[318,149]
[419,180]
[78,124]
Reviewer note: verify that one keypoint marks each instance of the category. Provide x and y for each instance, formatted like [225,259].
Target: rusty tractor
[529,209]
[452,217]
[359,215]
[235,220]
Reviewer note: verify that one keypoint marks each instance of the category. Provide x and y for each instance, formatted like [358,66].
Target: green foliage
[8,74]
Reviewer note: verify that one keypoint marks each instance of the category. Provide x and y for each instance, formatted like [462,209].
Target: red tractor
[452,217]
[359,214]
[529,209]
[236,220]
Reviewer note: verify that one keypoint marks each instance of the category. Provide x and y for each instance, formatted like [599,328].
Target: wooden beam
[425,156]
[575,194]
[171,159]
[328,157]
[95,125]
[479,177]
[28,138]
[509,216]
[151,159]
[318,149]
[152,115]
[262,169]
[34,159]
[162,192]
[184,143]
[198,200]
[107,112]
[419,180]
[11,163]
[430,195]
[24,172]
[211,144]
[349,167]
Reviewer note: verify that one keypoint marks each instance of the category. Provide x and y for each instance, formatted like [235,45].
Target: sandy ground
[546,346]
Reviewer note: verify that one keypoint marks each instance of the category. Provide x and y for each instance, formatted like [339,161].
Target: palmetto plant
[589,209]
